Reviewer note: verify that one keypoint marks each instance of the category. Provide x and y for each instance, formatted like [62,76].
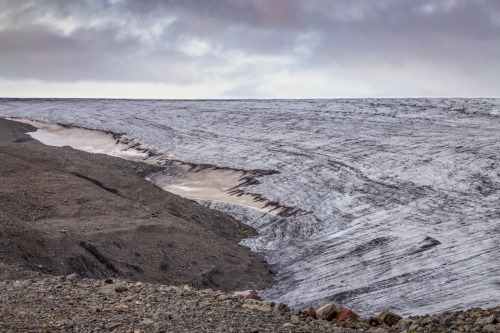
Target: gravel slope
[64,211]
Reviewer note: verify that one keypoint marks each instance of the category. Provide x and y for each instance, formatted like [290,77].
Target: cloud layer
[250,48]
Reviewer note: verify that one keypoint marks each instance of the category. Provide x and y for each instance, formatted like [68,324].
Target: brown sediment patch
[191,181]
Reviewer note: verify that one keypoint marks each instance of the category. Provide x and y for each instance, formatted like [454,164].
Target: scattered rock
[310,312]
[147,322]
[490,328]
[112,325]
[131,298]
[345,314]
[259,306]
[491,319]
[403,324]
[107,290]
[375,321]
[364,325]
[72,277]
[380,330]
[390,318]
[328,311]
[427,321]
[120,288]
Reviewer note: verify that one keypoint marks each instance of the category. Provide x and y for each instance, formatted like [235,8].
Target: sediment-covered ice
[398,198]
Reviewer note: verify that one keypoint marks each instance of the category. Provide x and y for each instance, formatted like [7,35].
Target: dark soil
[64,211]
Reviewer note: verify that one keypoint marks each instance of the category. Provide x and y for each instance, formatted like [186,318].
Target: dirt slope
[65,211]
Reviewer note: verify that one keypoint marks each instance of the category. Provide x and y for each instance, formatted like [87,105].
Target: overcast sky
[249,48]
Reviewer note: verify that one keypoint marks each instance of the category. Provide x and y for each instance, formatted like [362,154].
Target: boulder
[310,312]
[345,314]
[121,288]
[72,277]
[491,319]
[390,318]
[403,324]
[329,311]
[107,290]
[414,327]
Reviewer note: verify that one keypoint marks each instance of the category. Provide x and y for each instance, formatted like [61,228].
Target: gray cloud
[388,47]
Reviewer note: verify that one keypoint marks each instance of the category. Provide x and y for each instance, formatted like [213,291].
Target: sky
[196,49]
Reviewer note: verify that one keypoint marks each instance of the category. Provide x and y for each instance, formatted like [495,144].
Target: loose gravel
[60,304]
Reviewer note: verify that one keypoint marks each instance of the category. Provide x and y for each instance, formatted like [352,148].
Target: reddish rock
[310,312]
[345,314]
[253,296]
[389,318]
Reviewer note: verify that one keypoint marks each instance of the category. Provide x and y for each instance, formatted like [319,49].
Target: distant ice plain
[402,195]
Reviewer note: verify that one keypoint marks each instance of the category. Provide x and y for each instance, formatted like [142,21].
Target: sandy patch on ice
[208,184]
[181,179]
[91,141]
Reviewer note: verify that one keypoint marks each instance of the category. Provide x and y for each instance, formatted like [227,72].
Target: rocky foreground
[113,305]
